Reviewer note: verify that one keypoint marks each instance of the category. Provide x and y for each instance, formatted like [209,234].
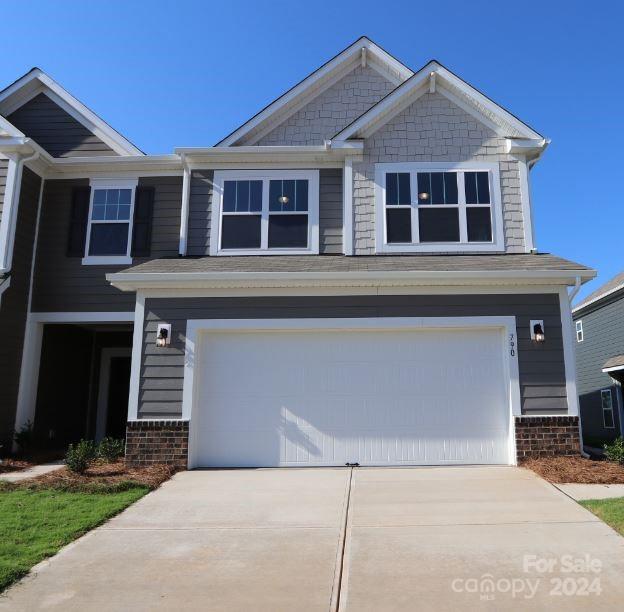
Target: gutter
[133,281]
[11,222]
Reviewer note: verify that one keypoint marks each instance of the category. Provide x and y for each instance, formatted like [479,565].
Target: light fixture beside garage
[163,335]
[537,331]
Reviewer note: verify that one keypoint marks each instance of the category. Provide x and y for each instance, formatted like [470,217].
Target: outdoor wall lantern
[163,336]
[537,331]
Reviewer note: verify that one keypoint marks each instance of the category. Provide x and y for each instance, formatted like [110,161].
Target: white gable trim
[376,57]
[445,83]
[36,82]
[8,130]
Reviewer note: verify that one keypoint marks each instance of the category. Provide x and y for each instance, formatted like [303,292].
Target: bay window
[265,212]
[438,207]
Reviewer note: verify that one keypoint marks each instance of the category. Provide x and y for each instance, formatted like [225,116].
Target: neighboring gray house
[599,328]
[350,276]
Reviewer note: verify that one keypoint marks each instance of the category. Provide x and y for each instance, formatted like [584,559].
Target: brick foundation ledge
[149,442]
[547,436]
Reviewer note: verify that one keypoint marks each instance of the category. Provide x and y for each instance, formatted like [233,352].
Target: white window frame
[602,393]
[110,260]
[220,176]
[580,336]
[497,243]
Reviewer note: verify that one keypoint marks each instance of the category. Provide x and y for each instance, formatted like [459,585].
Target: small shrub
[111,449]
[81,455]
[615,450]
[24,437]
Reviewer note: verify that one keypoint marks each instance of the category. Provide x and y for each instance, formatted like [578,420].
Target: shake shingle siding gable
[56,130]
[541,368]
[330,111]
[434,129]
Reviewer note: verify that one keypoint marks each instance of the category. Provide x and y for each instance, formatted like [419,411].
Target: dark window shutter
[78,222]
[142,227]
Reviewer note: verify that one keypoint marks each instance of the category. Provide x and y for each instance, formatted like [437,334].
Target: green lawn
[611,511]
[36,524]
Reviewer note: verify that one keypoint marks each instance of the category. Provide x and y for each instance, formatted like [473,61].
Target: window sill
[242,252]
[436,247]
[107,260]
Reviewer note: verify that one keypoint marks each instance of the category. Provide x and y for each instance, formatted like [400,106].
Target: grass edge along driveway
[35,524]
[611,511]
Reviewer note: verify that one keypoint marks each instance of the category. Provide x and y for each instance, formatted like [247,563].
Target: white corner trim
[569,339]
[137,354]
[497,245]
[313,178]
[184,210]
[347,207]
[195,327]
[527,210]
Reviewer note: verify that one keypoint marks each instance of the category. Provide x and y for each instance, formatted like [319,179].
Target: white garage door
[293,398]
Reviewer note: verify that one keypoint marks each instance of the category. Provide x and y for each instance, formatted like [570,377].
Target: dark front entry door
[118,391]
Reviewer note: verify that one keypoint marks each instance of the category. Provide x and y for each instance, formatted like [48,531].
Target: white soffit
[36,81]
[362,50]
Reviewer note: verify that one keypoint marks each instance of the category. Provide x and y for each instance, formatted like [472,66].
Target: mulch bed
[576,470]
[101,477]
[14,465]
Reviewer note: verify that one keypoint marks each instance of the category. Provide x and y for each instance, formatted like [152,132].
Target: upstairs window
[579,331]
[431,207]
[110,222]
[265,212]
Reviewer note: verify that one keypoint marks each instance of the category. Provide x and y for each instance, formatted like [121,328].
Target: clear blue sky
[186,73]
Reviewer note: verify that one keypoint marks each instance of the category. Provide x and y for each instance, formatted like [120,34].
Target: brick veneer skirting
[149,442]
[547,436]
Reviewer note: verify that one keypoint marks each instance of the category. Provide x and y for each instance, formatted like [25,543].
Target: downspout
[13,210]
[184,212]
[571,296]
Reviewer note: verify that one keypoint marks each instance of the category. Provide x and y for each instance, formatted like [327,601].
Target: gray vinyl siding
[198,237]
[62,283]
[603,338]
[56,130]
[330,212]
[4,165]
[14,304]
[542,370]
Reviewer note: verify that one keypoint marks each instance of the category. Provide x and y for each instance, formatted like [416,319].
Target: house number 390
[512,344]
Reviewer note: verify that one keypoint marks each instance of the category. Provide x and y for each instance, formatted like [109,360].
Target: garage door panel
[327,398]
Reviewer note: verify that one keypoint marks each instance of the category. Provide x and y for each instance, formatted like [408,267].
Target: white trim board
[569,340]
[31,353]
[196,327]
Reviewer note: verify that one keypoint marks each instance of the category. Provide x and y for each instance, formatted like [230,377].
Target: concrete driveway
[317,539]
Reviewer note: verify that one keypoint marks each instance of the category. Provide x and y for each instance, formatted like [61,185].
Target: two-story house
[348,277]
[599,329]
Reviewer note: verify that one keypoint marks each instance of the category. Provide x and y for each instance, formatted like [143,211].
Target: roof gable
[36,82]
[609,288]
[433,77]
[362,52]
